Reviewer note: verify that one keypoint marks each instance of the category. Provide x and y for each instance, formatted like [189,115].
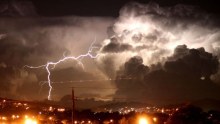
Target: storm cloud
[153,32]
[173,54]
[185,77]
[34,40]
[150,53]
[115,46]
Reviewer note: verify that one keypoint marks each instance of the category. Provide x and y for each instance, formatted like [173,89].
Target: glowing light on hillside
[155,119]
[30,121]
[143,120]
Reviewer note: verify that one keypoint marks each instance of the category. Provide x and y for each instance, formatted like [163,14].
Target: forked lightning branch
[51,65]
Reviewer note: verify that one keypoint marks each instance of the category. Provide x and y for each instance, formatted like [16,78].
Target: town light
[155,119]
[30,121]
[143,120]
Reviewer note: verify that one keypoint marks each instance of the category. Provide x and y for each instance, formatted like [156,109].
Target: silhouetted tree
[189,115]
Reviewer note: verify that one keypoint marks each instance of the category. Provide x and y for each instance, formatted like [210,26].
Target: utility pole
[73,107]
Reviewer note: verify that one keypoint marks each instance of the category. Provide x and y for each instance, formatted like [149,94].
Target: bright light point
[13,116]
[4,118]
[30,121]
[50,118]
[61,109]
[25,116]
[155,119]
[111,120]
[202,78]
[50,108]
[143,121]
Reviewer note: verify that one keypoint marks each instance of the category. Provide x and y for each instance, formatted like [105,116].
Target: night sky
[158,52]
[108,7]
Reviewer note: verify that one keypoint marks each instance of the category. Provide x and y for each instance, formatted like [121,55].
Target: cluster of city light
[126,110]
[148,117]
[110,121]
[61,109]
[15,103]
[6,118]
[83,122]
[30,120]
[26,118]
[15,116]
[18,104]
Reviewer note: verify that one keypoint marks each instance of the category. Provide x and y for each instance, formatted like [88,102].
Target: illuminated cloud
[172,53]
[153,32]
[185,76]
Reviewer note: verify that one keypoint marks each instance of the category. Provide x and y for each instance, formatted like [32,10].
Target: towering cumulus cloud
[163,54]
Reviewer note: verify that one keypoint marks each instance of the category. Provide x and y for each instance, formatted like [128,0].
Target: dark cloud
[108,66]
[179,52]
[36,41]
[13,80]
[135,66]
[70,74]
[86,103]
[130,78]
[178,80]
[19,49]
[15,8]
[197,61]
[115,46]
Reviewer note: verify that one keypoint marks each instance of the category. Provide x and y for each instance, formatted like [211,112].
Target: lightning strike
[48,65]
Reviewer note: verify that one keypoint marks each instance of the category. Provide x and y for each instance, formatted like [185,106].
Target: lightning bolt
[48,65]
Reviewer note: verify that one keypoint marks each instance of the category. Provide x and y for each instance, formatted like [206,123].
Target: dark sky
[108,7]
[164,51]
